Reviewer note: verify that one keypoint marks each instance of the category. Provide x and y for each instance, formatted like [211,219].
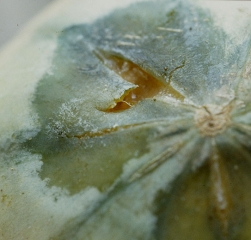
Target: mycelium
[135,125]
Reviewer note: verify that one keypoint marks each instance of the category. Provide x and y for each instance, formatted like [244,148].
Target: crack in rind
[174,70]
[147,85]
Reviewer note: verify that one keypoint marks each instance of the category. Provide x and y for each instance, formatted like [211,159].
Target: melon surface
[128,120]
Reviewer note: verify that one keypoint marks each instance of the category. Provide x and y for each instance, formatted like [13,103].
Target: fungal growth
[137,131]
[143,104]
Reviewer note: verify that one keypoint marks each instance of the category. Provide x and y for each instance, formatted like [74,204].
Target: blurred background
[15,13]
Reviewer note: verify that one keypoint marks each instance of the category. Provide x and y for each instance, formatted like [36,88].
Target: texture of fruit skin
[71,168]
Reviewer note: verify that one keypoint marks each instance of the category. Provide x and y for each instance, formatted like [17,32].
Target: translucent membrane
[147,85]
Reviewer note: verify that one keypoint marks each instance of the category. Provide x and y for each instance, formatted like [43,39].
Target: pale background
[15,13]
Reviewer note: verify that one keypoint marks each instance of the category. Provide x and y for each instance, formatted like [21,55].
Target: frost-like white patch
[74,117]
[32,210]
[69,117]
[24,61]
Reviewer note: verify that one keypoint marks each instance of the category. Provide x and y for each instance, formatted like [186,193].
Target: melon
[127,120]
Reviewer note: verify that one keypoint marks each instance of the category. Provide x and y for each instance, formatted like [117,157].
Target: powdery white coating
[28,58]
[23,62]
[21,187]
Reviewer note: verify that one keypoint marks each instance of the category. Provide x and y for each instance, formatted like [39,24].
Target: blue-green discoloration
[83,146]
